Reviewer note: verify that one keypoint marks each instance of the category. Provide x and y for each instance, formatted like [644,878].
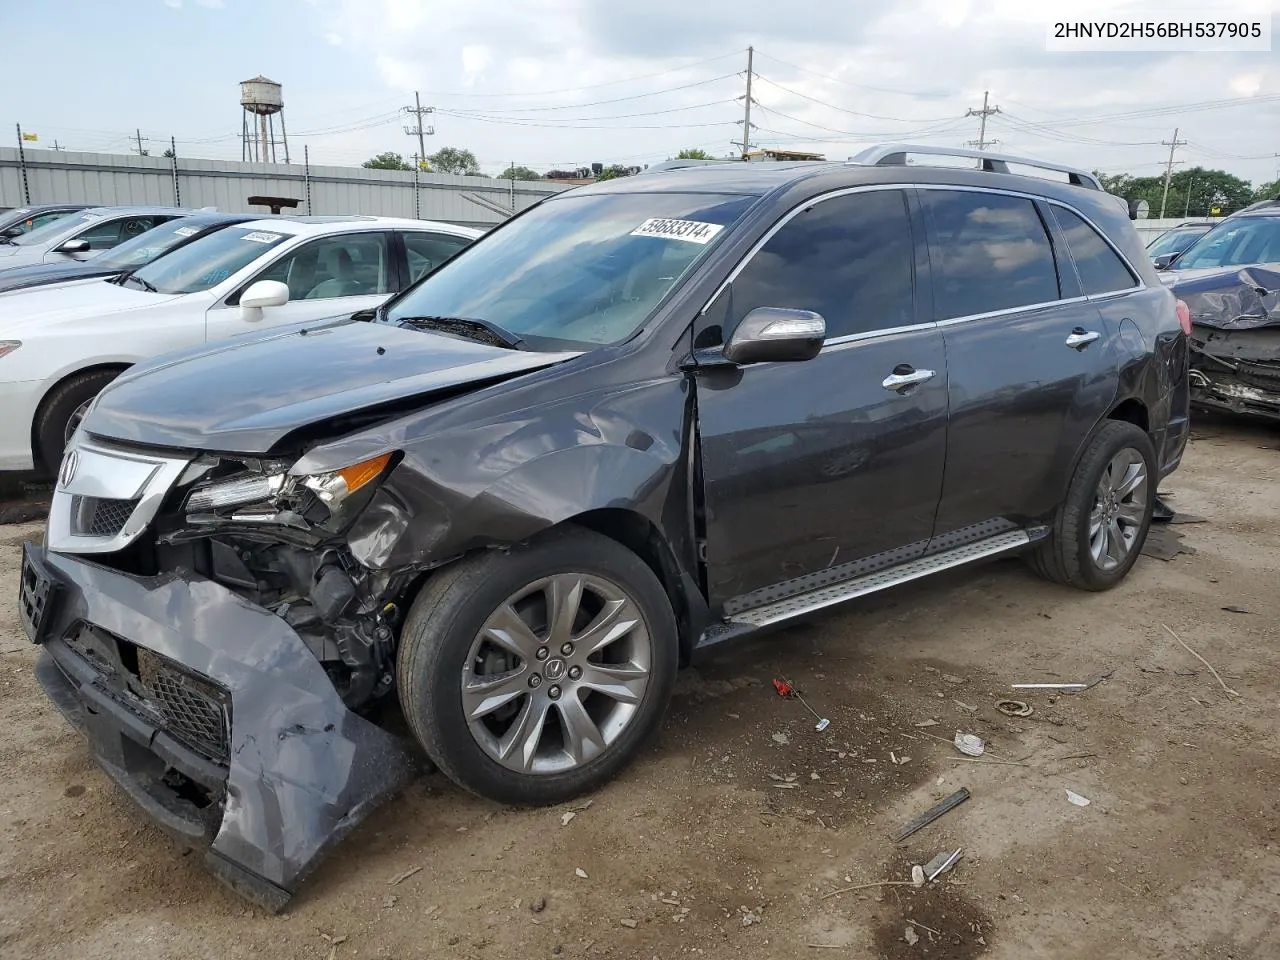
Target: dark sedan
[19,220]
[127,257]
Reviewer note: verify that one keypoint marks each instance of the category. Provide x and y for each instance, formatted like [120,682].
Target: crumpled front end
[1235,340]
[213,712]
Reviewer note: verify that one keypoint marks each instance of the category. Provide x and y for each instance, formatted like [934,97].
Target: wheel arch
[118,366]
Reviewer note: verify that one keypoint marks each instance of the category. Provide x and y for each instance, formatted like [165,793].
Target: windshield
[579,270]
[147,246]
[1174,241]
[206,262]
[1235,243]
[56,229]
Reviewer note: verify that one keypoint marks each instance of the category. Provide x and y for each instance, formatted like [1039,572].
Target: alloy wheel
[557,673]
[1119,509]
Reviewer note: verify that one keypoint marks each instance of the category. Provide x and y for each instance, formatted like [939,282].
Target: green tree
[455,160]
[693,153]
[1268,191]
[613,171]
[1196,192]
[519,173]
[168,152]
[387,161]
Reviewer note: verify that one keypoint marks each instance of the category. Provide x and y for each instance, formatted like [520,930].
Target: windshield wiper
[144,284]
[485,331]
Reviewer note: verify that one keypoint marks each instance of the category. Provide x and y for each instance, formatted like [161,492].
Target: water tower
[262,102]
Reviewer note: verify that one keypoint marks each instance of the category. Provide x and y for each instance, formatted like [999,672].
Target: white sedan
[61,344]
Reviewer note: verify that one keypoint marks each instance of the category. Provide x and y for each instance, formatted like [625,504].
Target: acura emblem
[70,463]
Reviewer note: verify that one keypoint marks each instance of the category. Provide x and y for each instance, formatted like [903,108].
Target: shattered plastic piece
[566,817]
[917,876]
[1078,800]
[911,936]
[941,864]
[1015,708]
[580,873]
[969,744]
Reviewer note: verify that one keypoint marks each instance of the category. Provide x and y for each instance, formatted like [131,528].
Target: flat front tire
[1099,529]
[534,675]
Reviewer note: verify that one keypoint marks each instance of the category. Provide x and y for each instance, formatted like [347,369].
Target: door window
[345,265]
[107,233]
[1100,267]
[991,253]
[426,251]
[40,219]
[849,259]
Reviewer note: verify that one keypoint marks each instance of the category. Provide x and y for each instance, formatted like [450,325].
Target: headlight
[8,346]
[335,487]
[232,492]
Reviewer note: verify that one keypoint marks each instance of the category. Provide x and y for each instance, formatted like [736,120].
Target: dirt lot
[729,835]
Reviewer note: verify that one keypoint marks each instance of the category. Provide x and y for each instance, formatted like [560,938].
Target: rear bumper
[265,797]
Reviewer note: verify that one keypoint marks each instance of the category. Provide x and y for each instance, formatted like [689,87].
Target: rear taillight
[1184,317]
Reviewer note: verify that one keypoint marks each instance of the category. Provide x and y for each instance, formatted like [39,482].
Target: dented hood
[1231,298]
[245,394]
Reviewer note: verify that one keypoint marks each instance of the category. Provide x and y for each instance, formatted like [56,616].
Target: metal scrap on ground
[932,814]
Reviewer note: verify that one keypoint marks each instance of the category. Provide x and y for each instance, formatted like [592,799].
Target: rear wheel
[535,675]
[61,412]
[1100,527]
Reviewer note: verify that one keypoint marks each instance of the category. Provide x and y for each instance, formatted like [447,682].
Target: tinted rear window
[991,253]
[1100,267]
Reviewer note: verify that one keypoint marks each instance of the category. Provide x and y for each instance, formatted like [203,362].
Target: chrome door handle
[901,382]
[1081,338]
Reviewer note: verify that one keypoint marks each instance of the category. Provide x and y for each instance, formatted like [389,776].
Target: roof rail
[895,154]
[682,164]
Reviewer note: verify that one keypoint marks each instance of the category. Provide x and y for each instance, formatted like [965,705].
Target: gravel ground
[728,837]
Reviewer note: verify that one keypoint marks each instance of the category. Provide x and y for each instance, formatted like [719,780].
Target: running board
[882,580]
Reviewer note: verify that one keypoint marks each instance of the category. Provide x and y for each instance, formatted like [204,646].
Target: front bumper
[18,401]
[292,772]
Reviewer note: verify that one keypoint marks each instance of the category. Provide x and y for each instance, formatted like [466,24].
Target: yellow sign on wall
[31,137]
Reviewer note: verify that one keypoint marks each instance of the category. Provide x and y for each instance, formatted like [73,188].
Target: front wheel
[62,411]
[534,675]
[1101,526]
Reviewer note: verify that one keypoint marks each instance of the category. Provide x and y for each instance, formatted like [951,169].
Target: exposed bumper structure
[1237,370]
[212,714]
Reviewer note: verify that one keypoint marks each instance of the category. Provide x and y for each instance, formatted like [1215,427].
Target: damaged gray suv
[639,419]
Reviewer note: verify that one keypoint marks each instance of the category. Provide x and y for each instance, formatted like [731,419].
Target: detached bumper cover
[296,771]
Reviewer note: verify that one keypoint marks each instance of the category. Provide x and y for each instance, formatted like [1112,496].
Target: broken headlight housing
[282,497]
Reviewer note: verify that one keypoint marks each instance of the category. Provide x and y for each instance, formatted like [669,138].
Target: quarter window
[1101,269]
[848,258]
[991,253]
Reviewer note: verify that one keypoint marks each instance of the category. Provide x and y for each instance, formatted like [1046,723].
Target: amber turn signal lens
[358,474]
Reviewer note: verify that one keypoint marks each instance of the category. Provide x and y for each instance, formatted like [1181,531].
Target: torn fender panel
[1241,299]
[1237,370]
[301,769]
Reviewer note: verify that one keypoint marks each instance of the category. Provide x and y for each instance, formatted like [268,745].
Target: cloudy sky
[558,83]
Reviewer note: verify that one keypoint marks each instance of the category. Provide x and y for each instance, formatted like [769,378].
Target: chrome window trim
[854,338]
[867,188]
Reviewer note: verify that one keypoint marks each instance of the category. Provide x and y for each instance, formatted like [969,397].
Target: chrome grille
[194,710]
[99,516]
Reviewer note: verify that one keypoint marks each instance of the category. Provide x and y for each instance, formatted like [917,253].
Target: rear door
[1030,359]
[825,467]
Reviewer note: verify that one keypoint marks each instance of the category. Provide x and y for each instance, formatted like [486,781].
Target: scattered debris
[749,917]
[826,946]
[969,744]
[1048,686]
[628,923]
[566,817]
[1236,610]
[390,902]
[1164,543]
[1078,800]
[335,941]
[404,876]
[911,937]
[781,738]
[786,786]
[1202,660]
[788,691]
[580,873]
[964,706]
[917,876]
[1006,763]
[926,723]
[952,678]
[538,905]
[941,864]
[1015,708]
[932,814]
[867,886]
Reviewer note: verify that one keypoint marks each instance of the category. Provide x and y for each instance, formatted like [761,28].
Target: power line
[746,105]
[612,116]
[848,83]
[855,113]
[418,111]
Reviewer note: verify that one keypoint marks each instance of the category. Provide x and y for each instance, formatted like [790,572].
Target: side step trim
[882,580]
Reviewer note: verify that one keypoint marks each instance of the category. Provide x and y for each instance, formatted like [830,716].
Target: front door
[326,277]
[1029,359]
[826,467]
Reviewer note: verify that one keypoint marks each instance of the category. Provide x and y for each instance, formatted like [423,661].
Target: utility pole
[1168,170]
[985,112]
[1186,210]
[418,111]
[141,140]
[746,114]
[57,146]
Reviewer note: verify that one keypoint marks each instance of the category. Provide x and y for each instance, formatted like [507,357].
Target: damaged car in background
[633,421]
[1230,282]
